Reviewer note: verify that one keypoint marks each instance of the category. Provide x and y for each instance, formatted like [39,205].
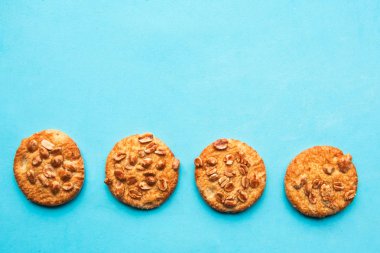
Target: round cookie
[141,171]
[230,175]
[321,181]
[48,168]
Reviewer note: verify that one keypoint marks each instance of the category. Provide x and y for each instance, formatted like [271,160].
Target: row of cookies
[141,171]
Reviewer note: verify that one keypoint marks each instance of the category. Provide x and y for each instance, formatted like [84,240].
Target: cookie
[230,175]
[48,168]
[141,171]
[321,181]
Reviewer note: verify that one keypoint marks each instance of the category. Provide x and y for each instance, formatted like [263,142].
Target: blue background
[282,76]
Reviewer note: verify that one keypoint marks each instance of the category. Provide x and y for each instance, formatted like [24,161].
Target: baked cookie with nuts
[48,168]
[141,171]
[321,181]
[230,175]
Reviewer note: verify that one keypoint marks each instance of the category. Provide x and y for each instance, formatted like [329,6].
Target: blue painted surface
[280,75]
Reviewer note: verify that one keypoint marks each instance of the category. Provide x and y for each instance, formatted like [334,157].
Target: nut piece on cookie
[32,146]
[145,138]
[345,163]
[220,144]
[175,164]
[198,162]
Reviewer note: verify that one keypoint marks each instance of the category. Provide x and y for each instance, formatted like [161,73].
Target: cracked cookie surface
[321,181]
[141,171]
[49,168]
[230,175]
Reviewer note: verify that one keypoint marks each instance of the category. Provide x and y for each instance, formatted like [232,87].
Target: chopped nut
[245,182]
[326,192]
[108,181]
[31,176]
[316,184]
[64,174]
[131,180]
[307,190]
[160,151]
[230,202]
[162,184]
[220,144]
[312,198]
[214,177]
[56,151]
[242,196]
[211,161]
[49,172]
[239,156]
[47,144]
[57,161]
[43,180]
[328,169]
[128,167]
[135,194]
[120,175]
[302,180]
[338,186]
[32,146]
[229,173]
[345,163]
[245,162]
[161,165]
[349,195]
[210,171]
[55,187]
[229,187]
[69,166]
[219,197]
[150,148]
[243,169]
[144,186]
[44,153]
[146,162]
[36,161]
[198,162]
[67,186]
[175,164]
[254,182]
[228,159]
[145,138]
[150,180]
[149,174]
[119,189]
[132,159]
[223,181]
[119,156]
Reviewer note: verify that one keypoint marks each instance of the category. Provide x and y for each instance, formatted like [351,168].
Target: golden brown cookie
[321,181]
[230,175]
[141,171]
[49,168]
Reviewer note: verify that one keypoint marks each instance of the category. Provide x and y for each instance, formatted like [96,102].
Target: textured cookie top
[141,171]
[321,181]
[49,168]
[230,175]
